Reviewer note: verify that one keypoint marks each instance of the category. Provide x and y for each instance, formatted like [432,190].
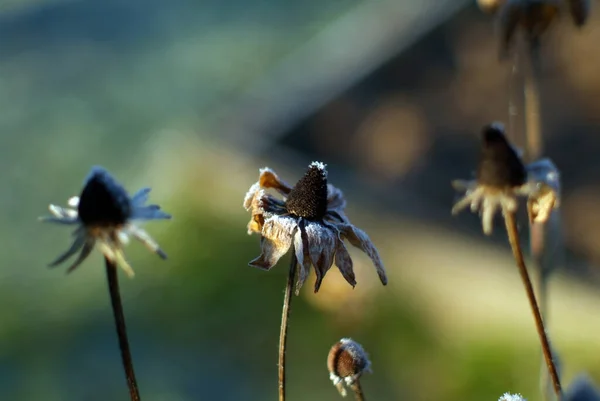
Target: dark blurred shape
[499,164]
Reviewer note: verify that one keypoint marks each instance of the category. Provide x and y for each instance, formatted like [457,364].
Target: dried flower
[105,215]
[311,218]
[346,362]
[511,397]
[533,16]
[501,177]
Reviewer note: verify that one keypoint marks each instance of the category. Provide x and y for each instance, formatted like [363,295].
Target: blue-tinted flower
[106,216]
[502,177]
[311,218]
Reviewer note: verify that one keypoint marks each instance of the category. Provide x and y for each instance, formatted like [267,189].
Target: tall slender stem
[117,307]
[513,238]
[358,391]
[285,315]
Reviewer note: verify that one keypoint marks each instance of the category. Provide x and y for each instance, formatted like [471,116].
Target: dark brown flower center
[499,164]
[308,198]
[103,202]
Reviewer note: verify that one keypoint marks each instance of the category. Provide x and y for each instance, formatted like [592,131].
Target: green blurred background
[192,98]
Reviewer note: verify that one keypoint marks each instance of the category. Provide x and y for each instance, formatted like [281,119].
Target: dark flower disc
[308,198]
[103,201]
[499,164]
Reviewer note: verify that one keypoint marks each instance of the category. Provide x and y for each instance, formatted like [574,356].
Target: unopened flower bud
[347,361]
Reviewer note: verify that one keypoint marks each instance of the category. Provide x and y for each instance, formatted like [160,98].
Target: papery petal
[302,254]
[488,210]
[76,246]
[249,199]
[543,188]
[344,263]
[322,243]
[140,197]
[142,236]
[269,179]
[277,235]
[83,255]
[150,212]
[335,198]
[361,240]
[62,212]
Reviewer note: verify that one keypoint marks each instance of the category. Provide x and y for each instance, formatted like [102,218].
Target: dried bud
[499,166]
[308,198]
[347,361]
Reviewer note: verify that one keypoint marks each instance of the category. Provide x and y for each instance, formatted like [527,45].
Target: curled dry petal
[344,262]
[321,240]
[269,179]
[361,240]
[277,234]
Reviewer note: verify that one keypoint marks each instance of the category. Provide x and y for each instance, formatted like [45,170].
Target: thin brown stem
[117,307]
[358,391]
[513,238]
[285,315]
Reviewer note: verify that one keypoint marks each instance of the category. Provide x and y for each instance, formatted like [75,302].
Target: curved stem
[285,314]
[358,391]
[513,238]
[117,307]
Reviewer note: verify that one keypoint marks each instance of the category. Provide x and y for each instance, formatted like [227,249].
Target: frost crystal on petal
[275,242]
[511,397]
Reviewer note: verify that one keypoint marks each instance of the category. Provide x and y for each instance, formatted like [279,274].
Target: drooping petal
[277,235]
[122,263]
[251,195]
[543,188]
[150,212]
[140,197]
[269,179]
[361,240]
[76,246]
[85,252]
[62,212]
[344,263]
[488,210]
[142,236]
[322,244]
[302,254]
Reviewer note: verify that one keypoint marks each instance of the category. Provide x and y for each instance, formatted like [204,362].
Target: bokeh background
[192,98]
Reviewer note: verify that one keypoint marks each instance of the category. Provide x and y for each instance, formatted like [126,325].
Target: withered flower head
[310,216]
[346,362]
[105,215]
[502,176]
[532,16]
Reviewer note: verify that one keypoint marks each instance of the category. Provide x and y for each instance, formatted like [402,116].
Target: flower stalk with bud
[309,220]
[106,216]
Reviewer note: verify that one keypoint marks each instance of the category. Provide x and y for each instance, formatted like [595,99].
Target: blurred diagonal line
[346,51]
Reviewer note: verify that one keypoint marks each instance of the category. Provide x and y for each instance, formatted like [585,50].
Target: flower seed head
[103,201]
[346,362]
[308,198]
[500,166]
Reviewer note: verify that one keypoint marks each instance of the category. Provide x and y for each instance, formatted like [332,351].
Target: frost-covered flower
[346,362]
[311,218]
[502,177]
[511,397]
[105,215]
